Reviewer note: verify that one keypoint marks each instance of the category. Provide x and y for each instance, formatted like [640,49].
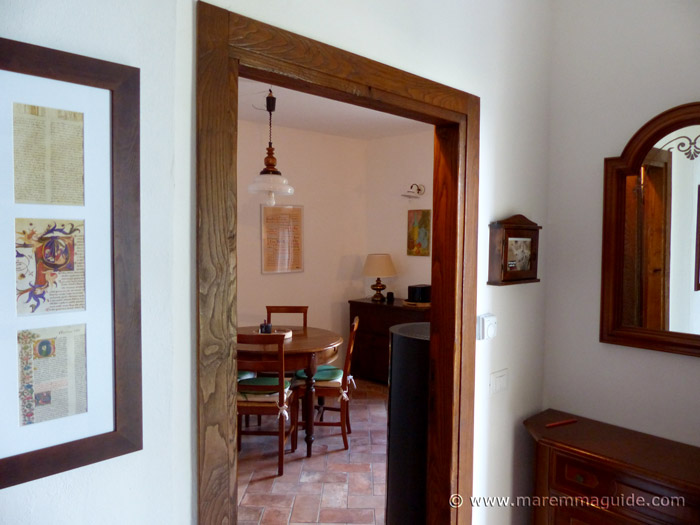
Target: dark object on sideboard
[370,359]
[419,293]
[608,468]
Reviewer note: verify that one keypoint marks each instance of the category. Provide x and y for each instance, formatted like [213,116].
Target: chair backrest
[286,310]
[268,362]
[348,352]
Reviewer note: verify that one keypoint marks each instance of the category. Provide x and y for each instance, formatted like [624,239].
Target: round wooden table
[307,348]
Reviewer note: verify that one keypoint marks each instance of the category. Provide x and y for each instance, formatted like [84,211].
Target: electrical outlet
[498,381]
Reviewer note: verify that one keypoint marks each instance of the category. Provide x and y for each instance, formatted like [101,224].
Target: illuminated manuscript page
[48,155]
[50,265]
[52,373]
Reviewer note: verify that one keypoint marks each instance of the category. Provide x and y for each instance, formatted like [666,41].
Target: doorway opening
[230,46]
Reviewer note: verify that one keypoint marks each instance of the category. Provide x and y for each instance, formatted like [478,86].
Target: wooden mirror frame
[616,169]
[230,45]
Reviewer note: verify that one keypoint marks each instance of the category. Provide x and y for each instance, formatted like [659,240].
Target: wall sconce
[270,180]
[414,191]
[379,265]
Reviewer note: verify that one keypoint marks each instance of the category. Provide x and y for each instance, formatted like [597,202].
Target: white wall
[615,66]
[393,164]
[155,485]
[498,50]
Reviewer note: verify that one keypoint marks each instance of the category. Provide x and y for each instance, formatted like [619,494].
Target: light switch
[486,326]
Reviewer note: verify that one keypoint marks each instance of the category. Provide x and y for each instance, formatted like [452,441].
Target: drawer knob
[577,475]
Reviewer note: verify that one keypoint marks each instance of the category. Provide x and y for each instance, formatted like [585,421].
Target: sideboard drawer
[586,516]
[623,492]
[373,361]
[584,478]
[594,473]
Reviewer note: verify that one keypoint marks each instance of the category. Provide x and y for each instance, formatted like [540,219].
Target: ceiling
[308,112]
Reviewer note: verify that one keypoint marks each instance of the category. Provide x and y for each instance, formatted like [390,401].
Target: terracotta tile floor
[334,485]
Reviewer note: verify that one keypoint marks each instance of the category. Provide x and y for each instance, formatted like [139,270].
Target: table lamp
[379,265]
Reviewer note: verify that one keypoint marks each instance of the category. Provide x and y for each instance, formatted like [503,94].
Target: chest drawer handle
[580,476]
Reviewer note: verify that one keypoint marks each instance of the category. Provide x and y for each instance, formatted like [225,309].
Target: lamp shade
[271,185]
[379,265]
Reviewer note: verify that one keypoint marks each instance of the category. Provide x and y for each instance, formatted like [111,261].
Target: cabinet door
[370,360]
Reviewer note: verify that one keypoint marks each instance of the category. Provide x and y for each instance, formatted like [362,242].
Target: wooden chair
[286,310]
[331,382]
[247,374]
[267,395]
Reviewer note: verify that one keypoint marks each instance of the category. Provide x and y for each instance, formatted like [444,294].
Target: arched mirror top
[650,296]
[656,129]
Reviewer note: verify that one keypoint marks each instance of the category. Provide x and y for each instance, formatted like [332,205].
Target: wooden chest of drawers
[591,473]
[370,358]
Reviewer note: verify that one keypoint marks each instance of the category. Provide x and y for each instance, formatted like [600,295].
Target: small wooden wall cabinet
[370,358]
[513,250]
[593,473]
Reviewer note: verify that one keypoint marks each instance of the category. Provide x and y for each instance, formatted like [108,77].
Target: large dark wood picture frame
[123,84]
[230,45]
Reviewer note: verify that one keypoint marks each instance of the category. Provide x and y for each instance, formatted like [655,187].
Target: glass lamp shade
[271,185]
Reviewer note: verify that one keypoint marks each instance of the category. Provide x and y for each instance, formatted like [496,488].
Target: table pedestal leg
[309,404]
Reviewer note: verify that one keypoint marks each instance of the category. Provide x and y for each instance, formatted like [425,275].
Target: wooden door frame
[229,46]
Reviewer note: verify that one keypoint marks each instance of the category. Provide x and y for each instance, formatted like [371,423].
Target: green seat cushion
[323,373]
[261,381]
[245,374]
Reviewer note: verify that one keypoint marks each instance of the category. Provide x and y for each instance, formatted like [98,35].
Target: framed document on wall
[70,323]
[282,239]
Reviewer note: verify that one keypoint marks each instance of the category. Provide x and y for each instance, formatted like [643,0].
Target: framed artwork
[513,245]
[70,375]
[282,238]
[418,242]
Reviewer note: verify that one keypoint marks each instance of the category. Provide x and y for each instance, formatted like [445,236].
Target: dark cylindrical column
[408,424]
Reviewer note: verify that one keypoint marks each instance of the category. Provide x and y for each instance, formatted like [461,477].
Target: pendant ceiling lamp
[270,181]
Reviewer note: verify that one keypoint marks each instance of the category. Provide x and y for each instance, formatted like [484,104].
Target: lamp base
[378,287]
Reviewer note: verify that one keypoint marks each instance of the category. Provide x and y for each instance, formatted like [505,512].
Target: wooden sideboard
[370,358]
[593,473]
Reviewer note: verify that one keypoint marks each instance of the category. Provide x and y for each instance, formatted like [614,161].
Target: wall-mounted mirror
[651,243]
